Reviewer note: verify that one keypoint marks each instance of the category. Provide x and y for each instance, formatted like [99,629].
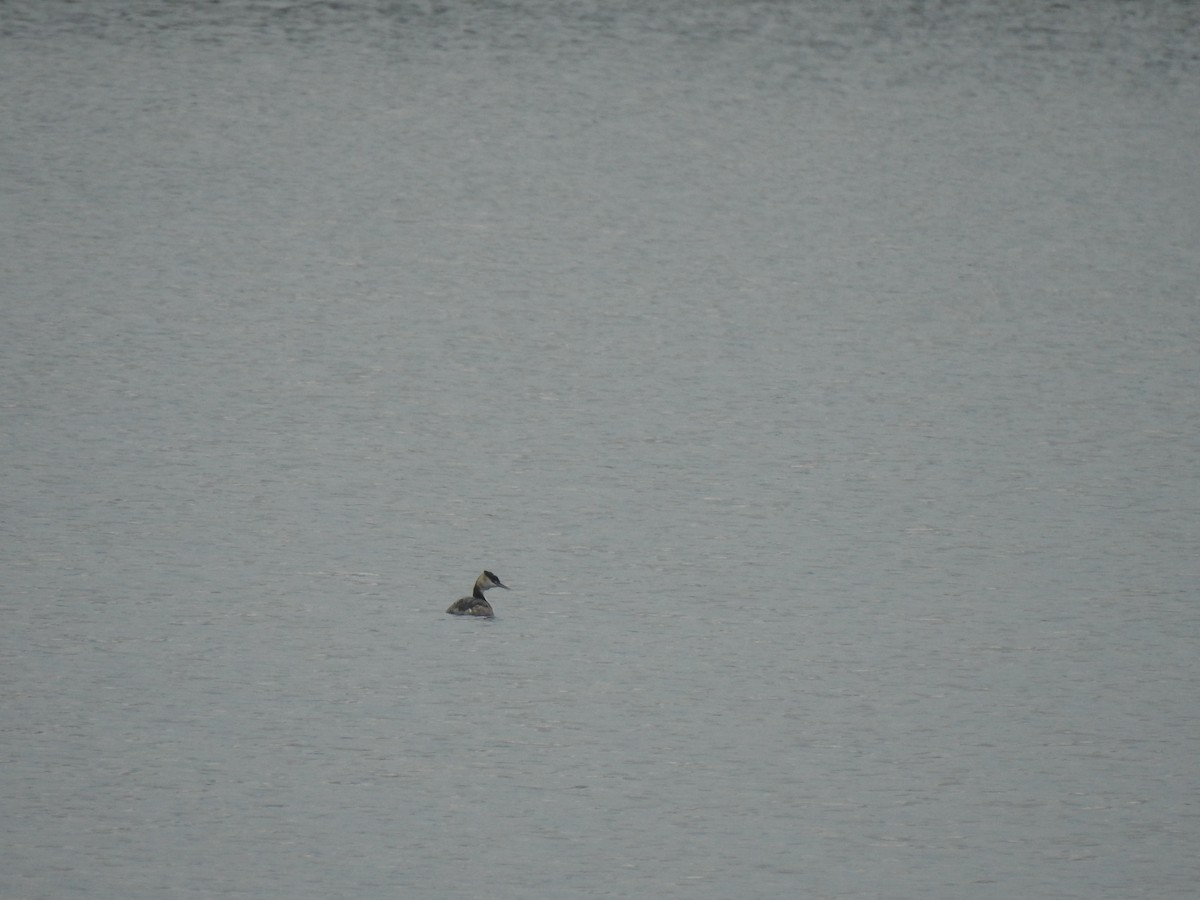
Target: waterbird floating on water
[475,605]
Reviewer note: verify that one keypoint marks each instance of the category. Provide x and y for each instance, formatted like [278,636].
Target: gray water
[822,378]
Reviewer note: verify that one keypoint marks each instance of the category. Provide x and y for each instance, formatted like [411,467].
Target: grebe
[475,605]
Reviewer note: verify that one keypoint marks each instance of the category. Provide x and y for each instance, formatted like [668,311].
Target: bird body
[476,605]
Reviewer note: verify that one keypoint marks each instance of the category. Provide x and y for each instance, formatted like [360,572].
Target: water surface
[820,377]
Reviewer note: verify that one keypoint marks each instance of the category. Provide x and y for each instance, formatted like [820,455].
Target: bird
[475,605]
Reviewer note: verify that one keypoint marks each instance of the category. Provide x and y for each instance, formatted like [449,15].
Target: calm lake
[821,377]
